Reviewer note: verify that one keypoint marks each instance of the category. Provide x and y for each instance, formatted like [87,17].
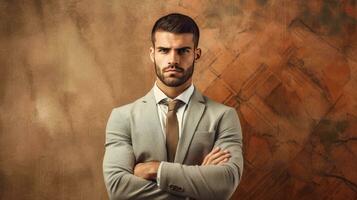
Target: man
[174,143]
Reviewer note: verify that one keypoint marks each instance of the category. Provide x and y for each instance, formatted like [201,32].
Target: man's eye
[163,50]
[183,51]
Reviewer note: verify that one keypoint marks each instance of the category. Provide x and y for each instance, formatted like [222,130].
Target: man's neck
[173,92]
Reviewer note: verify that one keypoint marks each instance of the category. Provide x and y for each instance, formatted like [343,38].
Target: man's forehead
[167,39]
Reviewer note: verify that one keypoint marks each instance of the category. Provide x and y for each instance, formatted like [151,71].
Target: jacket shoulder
[127,108]
[119,118]
[215,106]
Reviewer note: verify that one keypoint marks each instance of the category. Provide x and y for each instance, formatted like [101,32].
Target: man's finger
[216,155]
[221,158]
[223,161]
[215,150]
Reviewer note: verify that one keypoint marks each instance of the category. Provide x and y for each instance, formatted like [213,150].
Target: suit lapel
[151,117]
[194,113]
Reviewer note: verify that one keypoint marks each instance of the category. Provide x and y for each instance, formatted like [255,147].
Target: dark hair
[176,23]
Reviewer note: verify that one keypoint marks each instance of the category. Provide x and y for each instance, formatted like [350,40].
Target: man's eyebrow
[163,48]
[183,48]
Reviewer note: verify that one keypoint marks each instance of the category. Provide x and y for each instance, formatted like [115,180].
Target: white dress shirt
[162,110]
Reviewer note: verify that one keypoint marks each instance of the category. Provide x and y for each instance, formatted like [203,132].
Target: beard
[174,80]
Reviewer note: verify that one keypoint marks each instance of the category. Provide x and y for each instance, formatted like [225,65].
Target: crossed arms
[216,178]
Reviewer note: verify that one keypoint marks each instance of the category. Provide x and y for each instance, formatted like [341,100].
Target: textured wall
[289,68]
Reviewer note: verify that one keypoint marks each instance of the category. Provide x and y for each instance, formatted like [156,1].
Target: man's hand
[216,157]
[147,170]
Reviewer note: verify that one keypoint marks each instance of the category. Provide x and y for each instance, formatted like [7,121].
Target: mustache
[173,67]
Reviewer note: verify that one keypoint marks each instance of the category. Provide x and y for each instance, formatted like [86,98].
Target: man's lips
[173,73]
[173,70]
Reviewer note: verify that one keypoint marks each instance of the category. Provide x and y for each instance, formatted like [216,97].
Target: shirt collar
[184,96]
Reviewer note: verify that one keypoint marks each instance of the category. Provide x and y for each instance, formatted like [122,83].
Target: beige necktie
[172,129]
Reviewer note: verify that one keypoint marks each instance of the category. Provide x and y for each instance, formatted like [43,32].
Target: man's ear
[197,54]
[152,54]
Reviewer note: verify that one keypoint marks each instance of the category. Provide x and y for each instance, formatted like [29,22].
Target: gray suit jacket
[134,135]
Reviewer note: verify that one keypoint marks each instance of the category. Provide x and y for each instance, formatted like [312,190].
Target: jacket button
[179,189]
[176,188]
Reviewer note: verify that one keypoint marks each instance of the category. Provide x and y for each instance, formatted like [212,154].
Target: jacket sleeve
[212,181]
[119,162]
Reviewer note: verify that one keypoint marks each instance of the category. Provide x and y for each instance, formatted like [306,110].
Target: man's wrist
[158,175]
[153,171]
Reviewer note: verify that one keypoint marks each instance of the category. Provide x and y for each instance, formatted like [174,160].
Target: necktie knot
[174,105]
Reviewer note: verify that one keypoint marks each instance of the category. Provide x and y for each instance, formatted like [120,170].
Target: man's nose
[174,58]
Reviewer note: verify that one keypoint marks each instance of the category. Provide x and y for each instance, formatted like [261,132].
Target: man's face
[174,56]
